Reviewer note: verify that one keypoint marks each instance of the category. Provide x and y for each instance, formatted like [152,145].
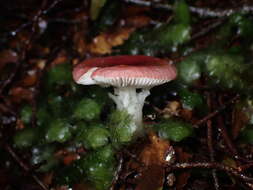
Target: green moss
[26,138]
[161,39]
[58,131]
[191,100]
[174,130]
[59,74]
[189,70]
[94,136]
[45,155]
[26,114]
[247,134]
[105,153]
[99,171]
[99,94]
[179,34]
[87,109]
[243,23]
[120,127]
[43,115]
[182,13]
[226,70]
[56,104]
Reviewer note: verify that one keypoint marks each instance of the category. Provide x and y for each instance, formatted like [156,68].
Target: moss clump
[163,38]
[174,130]
[99,167]
[26,138]
[44,155]
[87,109]
[247,134]
[26,114]
[120,127]
[94,136]
[59,74]
[58,131]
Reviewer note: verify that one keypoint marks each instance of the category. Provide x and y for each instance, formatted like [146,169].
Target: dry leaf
[138,21]
[19,94]
[79,42]
[48,178]
[171,109]
[30,79]
[183,177]
[152,178]
[155,152]
[103,43]
[60,58]
[68,159]
[153,156]
[7,56]
[19,124]
[82,186]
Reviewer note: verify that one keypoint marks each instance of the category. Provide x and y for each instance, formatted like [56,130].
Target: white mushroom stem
[126,98]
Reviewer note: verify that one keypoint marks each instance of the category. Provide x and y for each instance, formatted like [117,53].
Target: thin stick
[42,11]
[211,152]
[216,112]
[212,165]
[207,29]
[226,138]
[202,12]
[24,166]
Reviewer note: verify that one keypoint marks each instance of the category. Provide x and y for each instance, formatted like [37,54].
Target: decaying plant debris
[58,135]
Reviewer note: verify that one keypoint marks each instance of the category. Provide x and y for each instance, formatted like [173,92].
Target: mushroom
[126,74]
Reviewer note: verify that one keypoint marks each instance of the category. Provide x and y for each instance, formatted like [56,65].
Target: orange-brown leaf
[19,94]
[155,152]
[103,43]
[152,178]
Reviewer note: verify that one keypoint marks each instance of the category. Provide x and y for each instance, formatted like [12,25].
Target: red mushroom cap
[122,71]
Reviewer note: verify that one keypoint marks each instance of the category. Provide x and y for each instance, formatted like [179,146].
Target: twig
[226,138]
[212,165]
[202,12]
[117,172]
[216,112]
[26,45]
[42,11]
[24,166]
[211,152]
[230,145]
[11,77]
[207,29]
[245,166]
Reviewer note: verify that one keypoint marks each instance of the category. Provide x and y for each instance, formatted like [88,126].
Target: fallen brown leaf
[19,94]
[48,178]
[152,178]
[7,56]
[83,186]
[61,57]
[30,79]
[103,43]
[137,21]
[183,177]
[68,159]
[155,152]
